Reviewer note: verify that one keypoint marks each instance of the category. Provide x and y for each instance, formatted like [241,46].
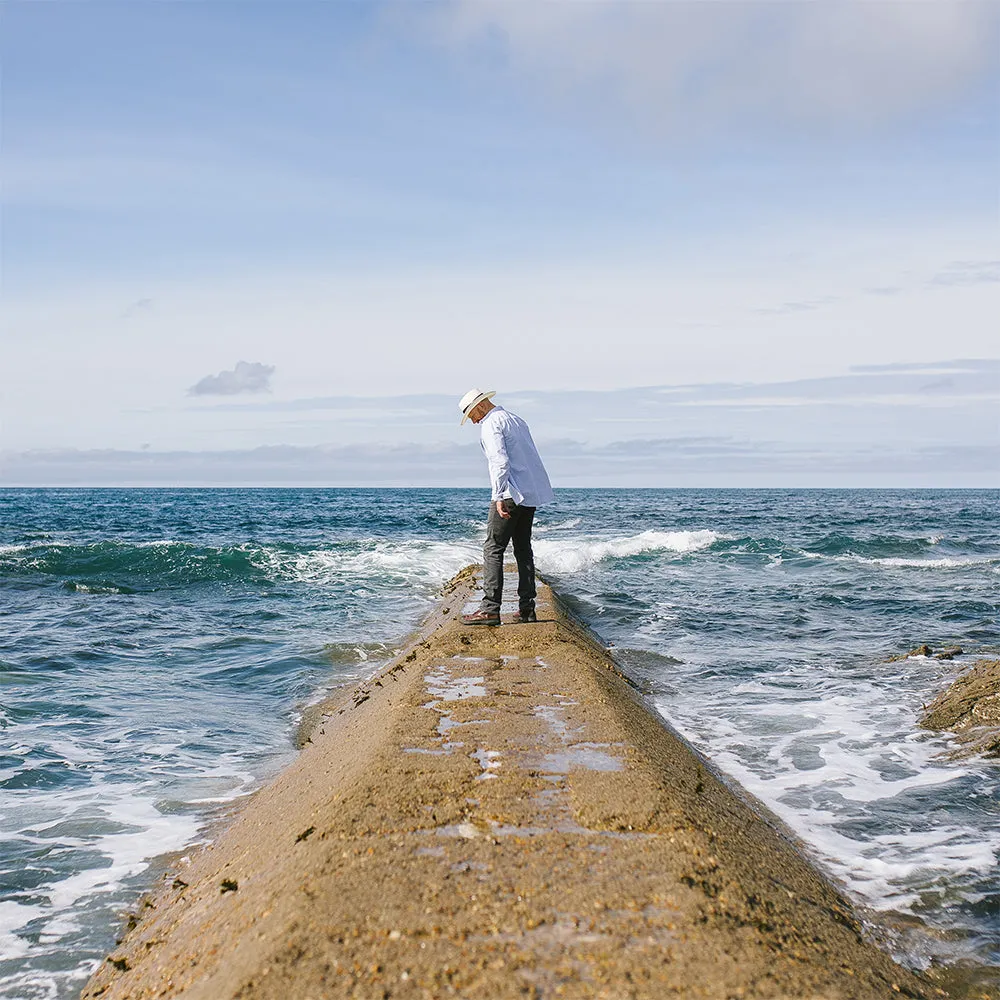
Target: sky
[272,243]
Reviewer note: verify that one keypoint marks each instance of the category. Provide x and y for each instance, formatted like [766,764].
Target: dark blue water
[156,647]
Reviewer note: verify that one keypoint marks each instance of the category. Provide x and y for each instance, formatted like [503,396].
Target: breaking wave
[125,568]
[572,555]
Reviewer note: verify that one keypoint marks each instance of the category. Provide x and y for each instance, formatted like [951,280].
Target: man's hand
[502,511]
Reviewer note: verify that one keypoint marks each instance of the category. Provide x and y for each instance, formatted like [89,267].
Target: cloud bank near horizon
[903,424]
[660,462]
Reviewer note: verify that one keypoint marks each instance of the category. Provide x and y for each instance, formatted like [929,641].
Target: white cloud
[247,376]
[698,63]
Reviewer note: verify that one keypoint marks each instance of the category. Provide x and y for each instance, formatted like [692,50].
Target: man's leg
[524,517]
[498,531]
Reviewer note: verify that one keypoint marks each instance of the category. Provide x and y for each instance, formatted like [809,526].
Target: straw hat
[472,399]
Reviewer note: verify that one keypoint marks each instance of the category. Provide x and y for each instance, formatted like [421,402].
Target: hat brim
[475,403]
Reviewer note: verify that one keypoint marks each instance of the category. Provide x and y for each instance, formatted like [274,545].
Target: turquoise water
[156,647]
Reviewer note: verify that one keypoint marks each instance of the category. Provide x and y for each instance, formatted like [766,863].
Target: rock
[970,708]
[923,650]
[949,654]
[986,711]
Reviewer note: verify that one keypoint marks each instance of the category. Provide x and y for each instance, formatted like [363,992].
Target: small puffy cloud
[247,376]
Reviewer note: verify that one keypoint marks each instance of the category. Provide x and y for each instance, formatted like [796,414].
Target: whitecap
[573,522]
[944,563]
[572,555]
[412,562]
[901,562]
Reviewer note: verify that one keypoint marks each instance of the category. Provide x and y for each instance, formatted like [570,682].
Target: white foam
[833,757]
[412,562]
[84,588]
[112,828]
[148,832]
[572,555]
[900,562]
[13,917]
[943,563]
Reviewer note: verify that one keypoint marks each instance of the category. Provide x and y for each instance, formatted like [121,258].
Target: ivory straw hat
[472,399]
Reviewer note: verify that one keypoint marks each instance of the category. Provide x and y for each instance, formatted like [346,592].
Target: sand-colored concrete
[498,814]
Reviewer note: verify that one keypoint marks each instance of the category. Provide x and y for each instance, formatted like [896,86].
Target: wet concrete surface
[498,814]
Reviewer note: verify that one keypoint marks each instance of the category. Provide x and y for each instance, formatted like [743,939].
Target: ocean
[157,647]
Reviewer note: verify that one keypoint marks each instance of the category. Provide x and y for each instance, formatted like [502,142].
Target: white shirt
[516,471]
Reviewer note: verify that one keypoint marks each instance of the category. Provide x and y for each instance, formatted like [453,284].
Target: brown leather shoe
[482,618]
[523,616]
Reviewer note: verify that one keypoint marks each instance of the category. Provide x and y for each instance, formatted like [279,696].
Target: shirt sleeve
[496,454]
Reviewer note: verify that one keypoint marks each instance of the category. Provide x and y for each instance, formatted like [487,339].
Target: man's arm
[496,455]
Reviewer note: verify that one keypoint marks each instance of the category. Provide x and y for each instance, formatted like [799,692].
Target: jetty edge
[498,813]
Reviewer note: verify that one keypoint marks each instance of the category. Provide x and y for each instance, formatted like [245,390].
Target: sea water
[157,647]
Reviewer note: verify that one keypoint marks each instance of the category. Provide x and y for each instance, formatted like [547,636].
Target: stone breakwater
[970,708]
[497,814]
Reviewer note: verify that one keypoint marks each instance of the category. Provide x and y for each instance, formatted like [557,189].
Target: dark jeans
[500,531]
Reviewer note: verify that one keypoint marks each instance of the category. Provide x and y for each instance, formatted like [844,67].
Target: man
[520,484]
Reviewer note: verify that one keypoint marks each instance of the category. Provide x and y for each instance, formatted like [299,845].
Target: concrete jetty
[497,814]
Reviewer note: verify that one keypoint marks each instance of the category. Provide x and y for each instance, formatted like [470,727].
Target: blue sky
[376,199]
